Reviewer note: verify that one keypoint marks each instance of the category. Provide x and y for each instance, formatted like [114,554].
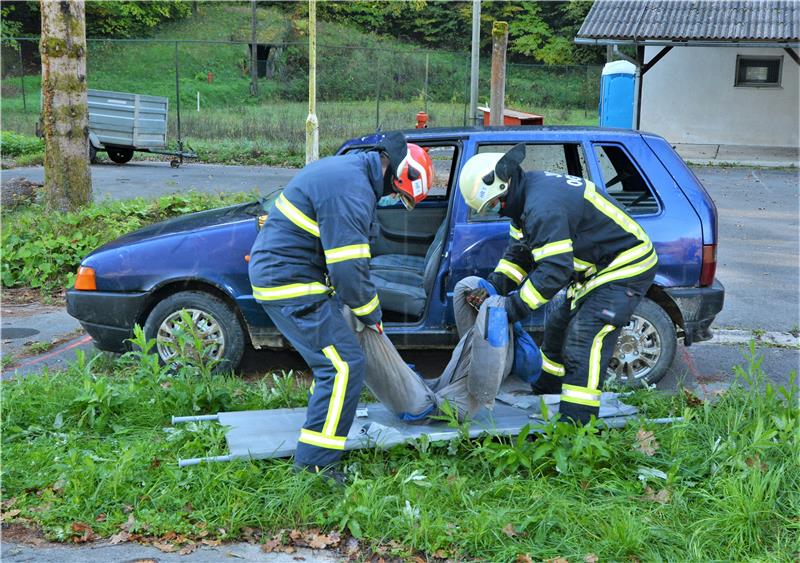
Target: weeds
[96,439]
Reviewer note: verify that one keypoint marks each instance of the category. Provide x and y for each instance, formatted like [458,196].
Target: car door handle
[407,236]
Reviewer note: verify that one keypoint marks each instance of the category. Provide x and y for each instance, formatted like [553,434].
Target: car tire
[119,155]
[223,333]
[645,347]
[92,154]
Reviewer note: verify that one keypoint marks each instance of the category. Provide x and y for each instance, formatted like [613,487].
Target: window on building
[561,158]
[624,182]
[758,71]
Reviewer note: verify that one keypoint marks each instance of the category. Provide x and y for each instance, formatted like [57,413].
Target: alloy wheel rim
[637,351]
[205,326]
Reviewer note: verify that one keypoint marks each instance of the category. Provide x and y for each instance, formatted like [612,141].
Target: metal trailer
[121,123]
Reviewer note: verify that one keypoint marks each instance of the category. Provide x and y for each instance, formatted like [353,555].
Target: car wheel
[645,347]
[119,155]
[215,322]
[92,154]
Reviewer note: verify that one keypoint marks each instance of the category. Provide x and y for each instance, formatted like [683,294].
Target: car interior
[407,247]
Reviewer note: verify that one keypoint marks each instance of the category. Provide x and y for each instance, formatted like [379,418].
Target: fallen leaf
[298,558]
[87,534]
[646,442]
[352,547]
[523,558]
[164,547]
[441,554]
[755,461]
[210,543]
[271,545]
[691,399]
[557,560]
[169,536]
[509,530]
[8,503]
[128,524]
[155,462]
[187,549]
[101,517]
[9,515]
[127,508]
[661,497]
[296,534]
[591,558]
[418,559]
[121,537]
[289,549]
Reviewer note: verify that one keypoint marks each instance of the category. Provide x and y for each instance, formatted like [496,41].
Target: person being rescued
[490,349]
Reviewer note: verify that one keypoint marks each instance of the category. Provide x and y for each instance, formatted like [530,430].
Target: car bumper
[108,317]
[698,306]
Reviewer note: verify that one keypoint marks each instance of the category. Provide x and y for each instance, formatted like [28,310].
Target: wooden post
[65,110]
[498,88]
[312,124]
[253,51]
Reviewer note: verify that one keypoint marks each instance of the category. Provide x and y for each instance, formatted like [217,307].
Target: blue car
[198,262]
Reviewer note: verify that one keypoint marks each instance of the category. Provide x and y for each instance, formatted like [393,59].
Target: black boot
[547,384]
[330,473]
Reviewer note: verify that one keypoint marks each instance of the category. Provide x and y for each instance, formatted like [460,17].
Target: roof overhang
[687,43]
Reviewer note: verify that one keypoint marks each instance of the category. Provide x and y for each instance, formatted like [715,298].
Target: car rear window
[624,182]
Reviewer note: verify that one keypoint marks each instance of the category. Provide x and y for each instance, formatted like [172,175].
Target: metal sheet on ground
[267,434]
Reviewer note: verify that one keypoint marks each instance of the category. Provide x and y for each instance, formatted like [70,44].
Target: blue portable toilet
[617,88]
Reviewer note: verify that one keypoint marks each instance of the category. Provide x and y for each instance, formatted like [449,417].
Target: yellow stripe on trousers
[595,356]
[338,392]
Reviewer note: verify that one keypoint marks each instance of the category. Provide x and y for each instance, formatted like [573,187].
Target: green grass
[96,440]
[270,128]
[43,250]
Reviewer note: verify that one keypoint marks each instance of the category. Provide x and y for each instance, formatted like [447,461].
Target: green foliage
[115,18]
[722,485]
[43,250]
[16,144]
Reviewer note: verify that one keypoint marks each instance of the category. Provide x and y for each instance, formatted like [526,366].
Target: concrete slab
[22,325]
[102,552]
[739,155]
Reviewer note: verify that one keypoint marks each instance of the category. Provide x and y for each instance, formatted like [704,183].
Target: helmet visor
[408,201]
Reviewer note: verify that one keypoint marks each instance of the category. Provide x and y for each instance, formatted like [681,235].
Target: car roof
[502,133]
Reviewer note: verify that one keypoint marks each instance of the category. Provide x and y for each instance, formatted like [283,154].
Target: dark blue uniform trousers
[579,341]
[318,331]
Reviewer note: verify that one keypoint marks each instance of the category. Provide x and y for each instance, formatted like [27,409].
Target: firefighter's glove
[377,327]
[476,297]
[516,309]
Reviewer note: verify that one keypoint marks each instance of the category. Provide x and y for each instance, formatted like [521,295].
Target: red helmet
[414,176]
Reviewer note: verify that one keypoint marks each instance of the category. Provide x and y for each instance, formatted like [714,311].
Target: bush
[14,144]
[43,250]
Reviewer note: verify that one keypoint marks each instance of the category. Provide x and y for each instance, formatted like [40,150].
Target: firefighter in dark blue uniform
[311,257]
[564,233]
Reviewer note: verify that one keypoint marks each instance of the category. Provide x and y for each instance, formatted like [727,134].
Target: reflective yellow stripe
[338,393]
[289,291]
[580,395]
[515,232]
[551,249]
[630,255]
[569,397]
[595,357]
[368,308]
[531,296]
[583,266]
[614,275]
[296,216]
[613,212]
[551,367]
[322,441]
[351,252]
[311,389]
[511,270]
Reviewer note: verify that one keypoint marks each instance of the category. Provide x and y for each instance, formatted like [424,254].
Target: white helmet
[485,176]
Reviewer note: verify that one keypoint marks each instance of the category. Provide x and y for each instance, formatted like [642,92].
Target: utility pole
[65,111]
[497,101]
[312,124]
[253,51]
[475,62]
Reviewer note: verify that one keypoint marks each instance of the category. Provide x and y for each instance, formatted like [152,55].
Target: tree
[65,113]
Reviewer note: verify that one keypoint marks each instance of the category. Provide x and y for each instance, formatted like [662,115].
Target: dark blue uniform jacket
[316,238]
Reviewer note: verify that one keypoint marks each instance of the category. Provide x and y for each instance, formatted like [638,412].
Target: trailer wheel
[119,155]
[174,163]
[92,154]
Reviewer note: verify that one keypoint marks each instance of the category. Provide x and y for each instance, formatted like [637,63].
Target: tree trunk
[65,113]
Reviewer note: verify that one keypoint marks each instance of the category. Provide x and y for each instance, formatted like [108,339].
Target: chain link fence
[358,89]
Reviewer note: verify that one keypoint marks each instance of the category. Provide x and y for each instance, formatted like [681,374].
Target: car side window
[564,158]
[624,182]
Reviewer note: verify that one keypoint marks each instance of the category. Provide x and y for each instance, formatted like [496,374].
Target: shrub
[15,144]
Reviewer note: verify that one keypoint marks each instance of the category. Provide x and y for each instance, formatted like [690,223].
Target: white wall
[689,97]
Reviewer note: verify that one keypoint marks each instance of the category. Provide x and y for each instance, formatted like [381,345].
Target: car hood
[185,224]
